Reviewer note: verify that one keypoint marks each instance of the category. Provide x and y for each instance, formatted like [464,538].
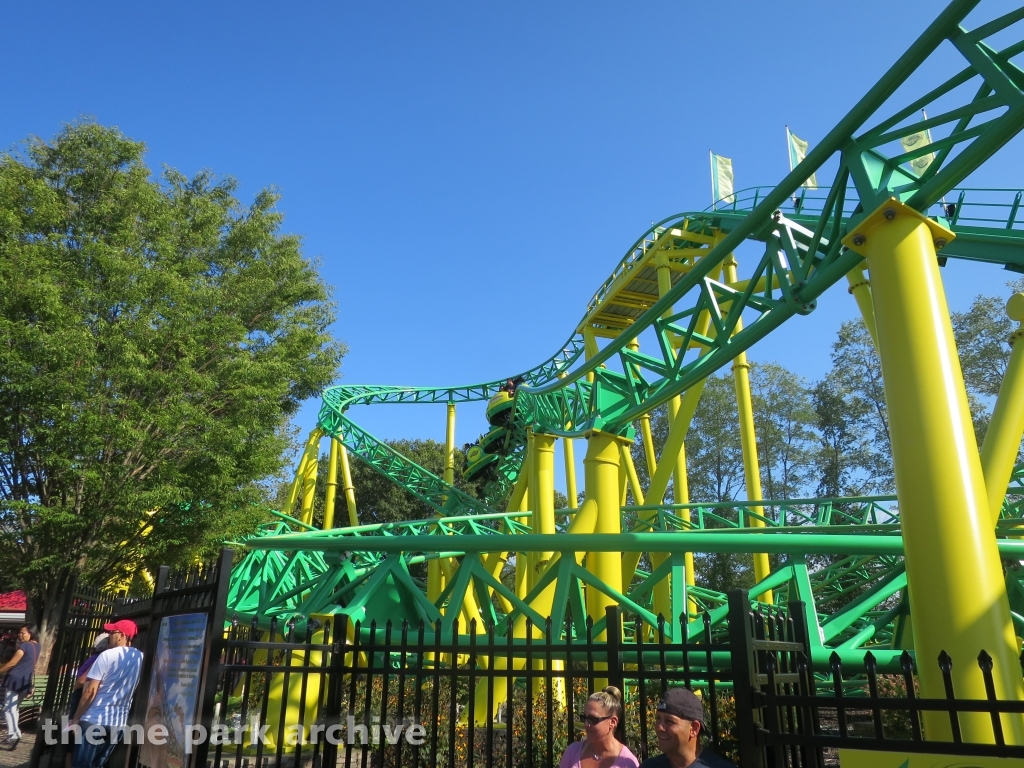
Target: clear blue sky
[469,173]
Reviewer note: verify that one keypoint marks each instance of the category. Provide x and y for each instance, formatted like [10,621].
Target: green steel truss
[841,556]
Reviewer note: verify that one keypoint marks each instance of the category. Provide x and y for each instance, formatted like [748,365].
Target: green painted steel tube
[696,541]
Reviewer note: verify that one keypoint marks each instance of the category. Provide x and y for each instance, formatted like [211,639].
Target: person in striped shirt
[107,697]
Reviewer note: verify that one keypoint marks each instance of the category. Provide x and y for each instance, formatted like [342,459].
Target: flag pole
[942,200]
[711,159]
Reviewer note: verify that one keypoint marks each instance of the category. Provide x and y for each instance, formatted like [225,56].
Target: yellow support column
[569,453]
[537,490]
[350,489]
[955,580]
[860,289]
[309,477]
[681,495]
[293,490]
[662,593]
[436,569]
[1002,440]
[332,485]
[748,439]
[522,558]
[601,467]
[570,467]
[544,523]
[675,454]
[533,504]
[544,478]
[648,442]
[310,450]
[449,446]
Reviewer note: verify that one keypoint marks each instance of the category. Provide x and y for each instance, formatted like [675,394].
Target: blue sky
[469,173]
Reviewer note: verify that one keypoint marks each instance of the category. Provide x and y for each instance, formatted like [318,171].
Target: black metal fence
[799,714]
[397,695]
[200,589]
[400,696]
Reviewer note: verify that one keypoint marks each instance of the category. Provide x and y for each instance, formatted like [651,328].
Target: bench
[32,704]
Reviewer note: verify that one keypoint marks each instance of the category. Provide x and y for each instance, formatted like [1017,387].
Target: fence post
[743,671]
[800,627]
[335,683]
[214,643]
[613,648]
[807,718]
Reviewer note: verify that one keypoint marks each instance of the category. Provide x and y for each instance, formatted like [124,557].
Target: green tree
[857,374]
[713,453]
[715,470]
[784,423]
[156,335]
[982,338]
[839,454]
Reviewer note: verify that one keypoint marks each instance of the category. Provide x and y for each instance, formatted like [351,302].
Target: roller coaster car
[494,440]
[499,408]
[480,464]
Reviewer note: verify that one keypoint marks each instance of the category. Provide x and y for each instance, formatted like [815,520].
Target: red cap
[125,626]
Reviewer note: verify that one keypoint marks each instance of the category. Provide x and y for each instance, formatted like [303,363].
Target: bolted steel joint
[940,243]
[859,239]
[889,213]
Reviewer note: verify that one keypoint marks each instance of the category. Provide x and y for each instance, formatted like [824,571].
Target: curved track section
[673,292]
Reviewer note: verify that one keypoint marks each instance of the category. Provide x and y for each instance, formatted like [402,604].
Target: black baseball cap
[682,702]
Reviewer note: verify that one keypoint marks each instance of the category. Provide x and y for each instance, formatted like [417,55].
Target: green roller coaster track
[842,556]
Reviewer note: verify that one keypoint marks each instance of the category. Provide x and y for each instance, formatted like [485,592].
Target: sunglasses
[592,719]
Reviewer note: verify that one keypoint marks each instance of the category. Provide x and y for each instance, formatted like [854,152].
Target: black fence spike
[946,665]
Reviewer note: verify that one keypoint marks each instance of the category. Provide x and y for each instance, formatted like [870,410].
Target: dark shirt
[19,677]
[706,759]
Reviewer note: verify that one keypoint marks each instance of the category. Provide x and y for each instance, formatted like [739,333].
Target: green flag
[721,179]
[915,141]
[797,152]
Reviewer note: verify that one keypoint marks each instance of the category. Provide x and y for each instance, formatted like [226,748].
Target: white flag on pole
[797,152]
[721,180]
[915,141]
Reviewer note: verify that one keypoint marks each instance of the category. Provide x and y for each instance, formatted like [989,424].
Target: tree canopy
[156,335]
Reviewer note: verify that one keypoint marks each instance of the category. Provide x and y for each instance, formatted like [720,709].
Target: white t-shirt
[118,670]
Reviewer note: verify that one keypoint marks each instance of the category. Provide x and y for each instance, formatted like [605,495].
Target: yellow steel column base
[602,466]
[954,575]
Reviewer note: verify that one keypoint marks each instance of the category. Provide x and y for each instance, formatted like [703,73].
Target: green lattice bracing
[798,235]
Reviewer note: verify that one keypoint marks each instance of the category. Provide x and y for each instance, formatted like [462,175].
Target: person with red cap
[107,697]
[679,724]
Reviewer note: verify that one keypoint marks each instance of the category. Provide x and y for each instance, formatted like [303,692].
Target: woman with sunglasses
[600,749]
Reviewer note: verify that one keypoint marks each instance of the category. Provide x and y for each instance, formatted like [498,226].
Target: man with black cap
[679,723]
[107,697]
